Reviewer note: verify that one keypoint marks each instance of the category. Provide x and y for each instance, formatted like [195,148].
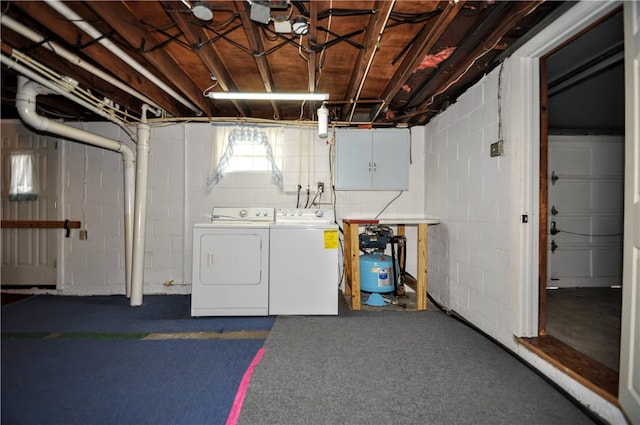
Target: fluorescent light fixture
[267,96]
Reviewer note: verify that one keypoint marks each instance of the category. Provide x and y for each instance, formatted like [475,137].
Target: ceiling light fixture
[202,11]
[267,96]
[300,26]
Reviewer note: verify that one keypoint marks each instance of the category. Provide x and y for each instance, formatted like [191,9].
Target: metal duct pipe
[102,39]
[26,106]
[71,57]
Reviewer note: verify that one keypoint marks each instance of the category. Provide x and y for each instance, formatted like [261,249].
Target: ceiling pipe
[57,86]
[71,57]
[26,105]
[104,41]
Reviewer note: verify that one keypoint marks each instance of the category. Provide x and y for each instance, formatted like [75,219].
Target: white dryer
[231,263]
[304,273]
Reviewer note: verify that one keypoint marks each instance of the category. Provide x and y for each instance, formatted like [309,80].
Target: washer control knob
[243,213]
[319,213]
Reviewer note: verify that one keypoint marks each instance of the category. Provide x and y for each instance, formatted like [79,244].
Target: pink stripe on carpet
[234,414]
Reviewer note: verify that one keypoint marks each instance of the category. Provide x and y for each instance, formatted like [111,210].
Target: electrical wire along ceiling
[379,63]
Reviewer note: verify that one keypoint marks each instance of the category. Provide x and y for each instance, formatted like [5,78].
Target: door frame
[543,226]
[526,123]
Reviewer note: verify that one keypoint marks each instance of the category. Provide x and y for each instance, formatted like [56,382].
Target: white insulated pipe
[140,211]
[26,106]
[71,57]
[100,38]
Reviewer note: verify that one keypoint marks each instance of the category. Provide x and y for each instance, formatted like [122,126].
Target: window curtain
[225,140]
[24,182]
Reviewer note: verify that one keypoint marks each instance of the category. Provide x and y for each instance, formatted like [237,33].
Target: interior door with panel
[629,383]
[28,254]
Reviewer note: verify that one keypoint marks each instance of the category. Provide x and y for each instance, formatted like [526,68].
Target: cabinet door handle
[369,167]
[374,167]
[209,259]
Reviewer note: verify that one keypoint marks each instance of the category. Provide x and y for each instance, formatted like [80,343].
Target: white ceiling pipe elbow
[26,106]
[55,87]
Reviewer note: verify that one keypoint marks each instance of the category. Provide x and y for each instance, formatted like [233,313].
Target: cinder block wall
[178,197]
[469,252]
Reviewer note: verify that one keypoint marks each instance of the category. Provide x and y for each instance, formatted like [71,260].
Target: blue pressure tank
[376,272]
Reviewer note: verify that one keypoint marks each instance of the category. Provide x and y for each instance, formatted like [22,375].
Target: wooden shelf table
[351,229]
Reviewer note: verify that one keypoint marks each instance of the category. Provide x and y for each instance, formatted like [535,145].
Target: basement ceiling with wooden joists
[382,63]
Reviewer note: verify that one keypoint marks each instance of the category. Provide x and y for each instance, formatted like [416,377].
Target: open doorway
[581,195]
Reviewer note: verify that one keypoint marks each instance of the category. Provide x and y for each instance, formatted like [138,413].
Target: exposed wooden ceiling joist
[370,56]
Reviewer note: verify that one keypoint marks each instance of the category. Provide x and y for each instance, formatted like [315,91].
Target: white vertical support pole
[129,165]
[140,214]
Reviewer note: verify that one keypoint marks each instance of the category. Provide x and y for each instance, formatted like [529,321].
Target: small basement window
[247,149]
[24,178]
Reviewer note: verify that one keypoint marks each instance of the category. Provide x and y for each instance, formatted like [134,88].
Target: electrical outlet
[83,235]
[320,187]
[497,148]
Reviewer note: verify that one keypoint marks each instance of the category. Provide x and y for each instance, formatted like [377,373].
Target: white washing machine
[304,273]
[231,263]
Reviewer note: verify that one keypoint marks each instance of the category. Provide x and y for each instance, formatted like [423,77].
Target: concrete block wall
[92,192]
[178,197]
[469,252]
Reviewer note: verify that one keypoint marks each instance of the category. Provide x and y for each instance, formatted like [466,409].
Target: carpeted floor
[95,360]
[111,382]
[158,313]
[395,368]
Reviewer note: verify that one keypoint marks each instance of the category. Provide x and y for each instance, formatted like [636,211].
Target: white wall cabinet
[373,159]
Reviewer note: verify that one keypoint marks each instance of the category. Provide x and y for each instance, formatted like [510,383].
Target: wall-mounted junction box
[497,148]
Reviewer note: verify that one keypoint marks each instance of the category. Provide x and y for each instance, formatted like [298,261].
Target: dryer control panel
[239,214]
[304,215]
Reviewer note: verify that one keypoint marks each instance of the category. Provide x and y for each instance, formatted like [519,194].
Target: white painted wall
[482,258]
[91,183]
[480,254]
[179,162]
[469,252]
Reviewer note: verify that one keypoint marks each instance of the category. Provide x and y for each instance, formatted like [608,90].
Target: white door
[29,255]
[629,386]
[585,214]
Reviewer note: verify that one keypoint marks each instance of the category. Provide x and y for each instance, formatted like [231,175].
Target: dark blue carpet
[158,313]
[65,381]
